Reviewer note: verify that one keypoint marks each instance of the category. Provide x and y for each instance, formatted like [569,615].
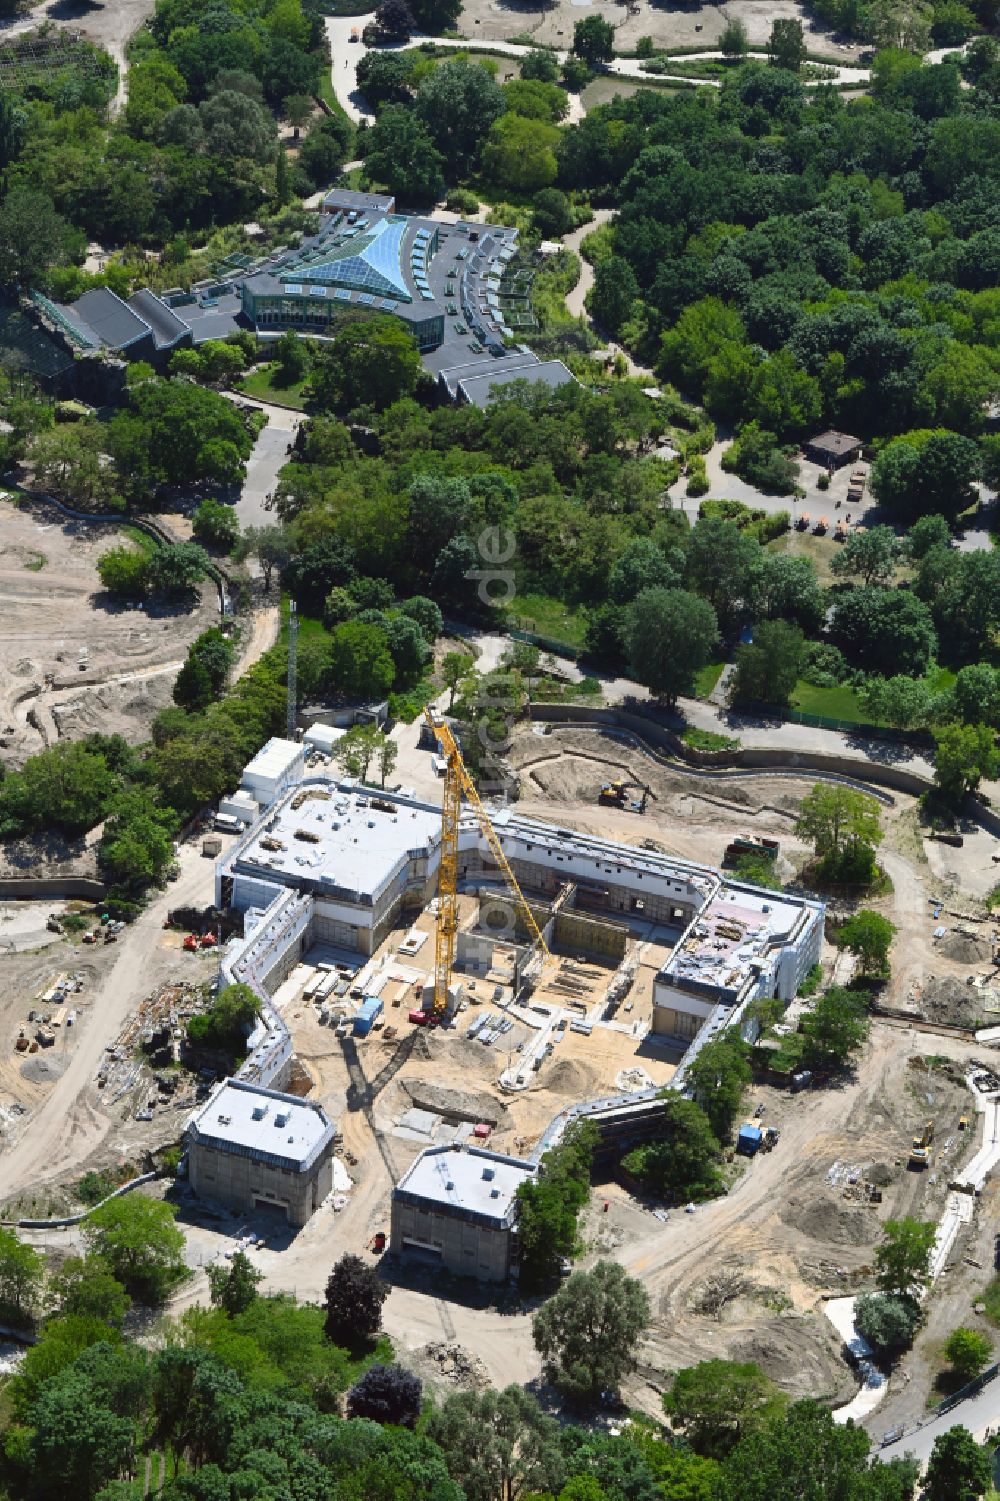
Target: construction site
[449,1033]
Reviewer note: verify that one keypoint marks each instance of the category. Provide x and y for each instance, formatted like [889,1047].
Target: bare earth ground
[668,25]
[72,661]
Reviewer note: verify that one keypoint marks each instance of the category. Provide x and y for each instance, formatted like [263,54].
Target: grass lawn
[706,678]
[544,616]
[840,702]
[141,540]
[325,92]
[707,739]
[261,385]
[602,90]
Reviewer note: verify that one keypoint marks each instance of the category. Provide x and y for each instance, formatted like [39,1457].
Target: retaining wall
[55,886]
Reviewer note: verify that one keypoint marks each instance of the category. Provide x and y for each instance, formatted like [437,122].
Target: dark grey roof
[167,328]
[350,201]
[478,389]
[111,319]
[488,367]
[835,443]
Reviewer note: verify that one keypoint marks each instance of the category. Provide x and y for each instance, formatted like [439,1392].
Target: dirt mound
[569,1077]
[41,1070]
[455,1104]
[948,1000]
[835,1221]
[457,1364]
[964,946]
[783,1350]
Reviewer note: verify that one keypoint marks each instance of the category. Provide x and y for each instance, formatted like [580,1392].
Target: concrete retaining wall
[76,1219]
[52,886]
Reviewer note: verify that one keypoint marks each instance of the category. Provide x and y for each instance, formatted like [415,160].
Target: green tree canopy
[669,634]
[716,1403]
[587,1333]
[903,1257]
[137,1238]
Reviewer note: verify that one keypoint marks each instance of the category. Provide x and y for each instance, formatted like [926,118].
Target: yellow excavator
[456,782]
[616,795]
[920,1152]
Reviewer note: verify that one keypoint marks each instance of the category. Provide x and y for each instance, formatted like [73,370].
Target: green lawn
[706,679]
[325,92]
[544,616]
[142,540]
[840,702]
[261,384]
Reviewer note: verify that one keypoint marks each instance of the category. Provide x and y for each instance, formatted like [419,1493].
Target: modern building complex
[456,1207]
[251,1148]
[455,286]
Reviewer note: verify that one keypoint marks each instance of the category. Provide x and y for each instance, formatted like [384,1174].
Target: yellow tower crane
[456,781]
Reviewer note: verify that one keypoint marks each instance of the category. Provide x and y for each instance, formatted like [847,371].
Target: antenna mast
[293,641]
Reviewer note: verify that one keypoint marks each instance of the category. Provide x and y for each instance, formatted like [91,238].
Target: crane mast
[456,781]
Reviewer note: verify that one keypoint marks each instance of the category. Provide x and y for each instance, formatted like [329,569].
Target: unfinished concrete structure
[251,1148]
[456,1206]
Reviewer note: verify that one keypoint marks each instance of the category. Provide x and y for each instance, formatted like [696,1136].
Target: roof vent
[259,1112]
[488,1174]
[225,1120]
[449,1185]
[494,1193]
[282,1118]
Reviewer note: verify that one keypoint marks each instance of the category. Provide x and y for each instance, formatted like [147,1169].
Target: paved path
[267,459]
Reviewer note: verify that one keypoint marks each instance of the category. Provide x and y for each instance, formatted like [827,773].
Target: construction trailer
[367,1015]
[750,1140]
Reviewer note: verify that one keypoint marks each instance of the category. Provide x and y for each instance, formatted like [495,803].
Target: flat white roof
[332,834]
[737,927]
[273,760]
[469,1180]
[262,1123]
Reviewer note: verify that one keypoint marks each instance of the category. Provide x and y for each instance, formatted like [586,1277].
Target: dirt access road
[73,1121]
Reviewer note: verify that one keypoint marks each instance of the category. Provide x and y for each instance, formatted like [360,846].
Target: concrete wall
[52,886]
[469,1249]
[240,1182]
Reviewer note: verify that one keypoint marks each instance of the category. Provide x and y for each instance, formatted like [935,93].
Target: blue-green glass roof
[369,262]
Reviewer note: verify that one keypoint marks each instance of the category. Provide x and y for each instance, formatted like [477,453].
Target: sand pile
[783,1350]
[836,1221]
[569,1077]
[43,1070]
[948,1000]
[964,946]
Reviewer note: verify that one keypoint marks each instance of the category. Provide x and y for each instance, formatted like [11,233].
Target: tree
[137,844]
[594,40]
[498,1445]
[908,703]
[193,687]
[768,668]
[967,1352]
[228,1022]
[869,555]
[684,1162]
[67,462]
[868,935]
[611,299]
[384,78]
[386,754]
[312,571]
[124,571]
[458,103]
[236,126]
[326,148]
[291,354]
[903,1256]
[717,1077]
[887,1322]
[33,237]
[788,589]
[885,630]
[233,1288]
[905,25]
[927,473]
[426,613]
[540,65]
[216,525]
[925,533]
[965,754]
[395,19]
[85,1287]
[669,634]
[176,571]
[587,1333]
[725,565]
[717,1402]
[455,666]
[374,362]
[804,1452]
[834,1030]
[297,109]
[548,1206]
[361,666]
[642,565]
[434,17]
[354,1297]
[977,694]
[845,828]
[959,1469]
[67,786]
[407,647]
[386,1394]
[402,154]
[734,44]
[139,1241]
[551,213]
[77,1443]
[520,153]
[21,1270]
[786,46]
